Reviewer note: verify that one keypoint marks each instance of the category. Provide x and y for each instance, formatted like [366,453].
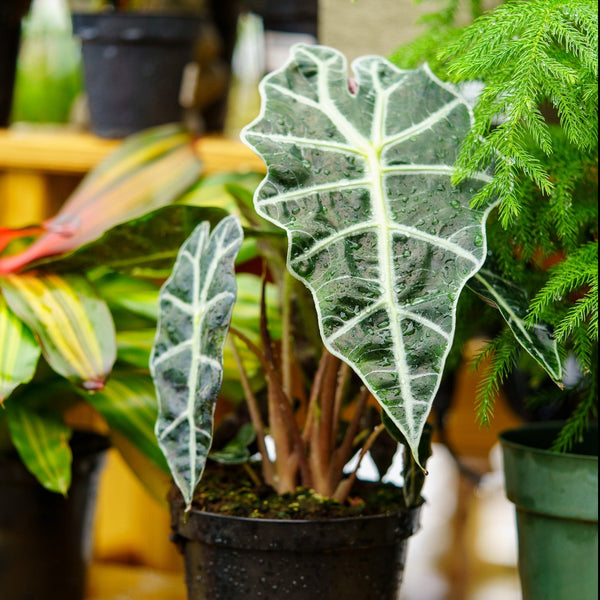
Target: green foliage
[536,122]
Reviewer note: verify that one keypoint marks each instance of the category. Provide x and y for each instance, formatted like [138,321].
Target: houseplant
[61,297]
[359,176]
[538,110]
[148,63]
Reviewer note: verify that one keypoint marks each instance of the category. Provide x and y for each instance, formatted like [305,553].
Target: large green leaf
[195,310]
[42,441]
[128,403]
[73,325]
[19,351]
[512,303]
[360,180]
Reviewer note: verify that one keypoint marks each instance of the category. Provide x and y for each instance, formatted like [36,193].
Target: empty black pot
[133,67]
[258,559]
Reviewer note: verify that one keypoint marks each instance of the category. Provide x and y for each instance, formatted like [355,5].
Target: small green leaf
[19,351]
[511,301]
[42,441]
[72,323]
[186,364]
[236,451]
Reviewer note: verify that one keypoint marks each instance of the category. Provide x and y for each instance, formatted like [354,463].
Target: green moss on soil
[230,490]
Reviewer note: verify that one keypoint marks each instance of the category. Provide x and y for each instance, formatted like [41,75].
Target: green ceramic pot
[556,500]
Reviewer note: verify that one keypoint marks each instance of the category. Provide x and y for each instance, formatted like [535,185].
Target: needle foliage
[536,122]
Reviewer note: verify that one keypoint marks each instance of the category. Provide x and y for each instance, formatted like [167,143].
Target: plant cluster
[536,121]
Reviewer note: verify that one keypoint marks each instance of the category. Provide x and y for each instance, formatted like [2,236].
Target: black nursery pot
[133,67]
[257,559]
[45,538]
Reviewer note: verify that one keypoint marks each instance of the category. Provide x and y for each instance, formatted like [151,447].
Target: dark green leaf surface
[361,182]
[196,304]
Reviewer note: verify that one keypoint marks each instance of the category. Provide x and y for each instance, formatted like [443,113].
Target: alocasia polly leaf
[361,182]
[19,351]
[196,303]
[72,323]
[513,305]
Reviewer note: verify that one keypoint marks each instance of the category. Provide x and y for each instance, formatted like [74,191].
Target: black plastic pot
[45,538]
[133,67]
[258,559]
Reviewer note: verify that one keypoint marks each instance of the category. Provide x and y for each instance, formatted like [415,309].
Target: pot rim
[512,438]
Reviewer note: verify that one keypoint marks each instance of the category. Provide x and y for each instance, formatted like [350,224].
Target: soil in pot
[298,546]
[45,538]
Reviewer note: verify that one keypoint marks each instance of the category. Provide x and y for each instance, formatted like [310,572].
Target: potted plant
[359,175]
[537,112]
[72,325]
[150,62]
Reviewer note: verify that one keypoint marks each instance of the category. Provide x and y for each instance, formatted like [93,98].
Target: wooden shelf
[40,168]
[67,152]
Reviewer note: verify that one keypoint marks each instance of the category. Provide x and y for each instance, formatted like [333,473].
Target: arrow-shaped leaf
[360,180]
[513,305]
[186,363]
[72,323]
[19,351]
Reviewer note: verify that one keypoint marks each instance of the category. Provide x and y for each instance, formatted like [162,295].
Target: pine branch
[502,354]
[527,53]
[578,422]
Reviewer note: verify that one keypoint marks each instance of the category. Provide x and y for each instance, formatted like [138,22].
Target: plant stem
[255,417]
[343,489]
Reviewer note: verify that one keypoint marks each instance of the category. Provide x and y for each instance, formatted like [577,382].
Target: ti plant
[360,178]
[72,314]
[537,118]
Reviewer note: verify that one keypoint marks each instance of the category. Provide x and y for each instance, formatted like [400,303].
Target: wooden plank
[77,153]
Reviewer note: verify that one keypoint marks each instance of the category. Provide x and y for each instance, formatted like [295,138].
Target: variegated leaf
[73,325]
[361,181]
[42,441]
[512,303]
[19,351]
[186,362]
[149,170]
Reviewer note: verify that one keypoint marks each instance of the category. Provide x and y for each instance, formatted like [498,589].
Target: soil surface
[230,490]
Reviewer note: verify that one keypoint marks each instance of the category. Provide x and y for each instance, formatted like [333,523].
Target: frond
[502,354]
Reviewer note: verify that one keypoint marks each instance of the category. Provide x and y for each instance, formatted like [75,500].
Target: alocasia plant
[359,176]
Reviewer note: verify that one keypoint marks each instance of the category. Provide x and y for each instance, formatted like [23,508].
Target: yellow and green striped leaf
[149,170]
[19,351]
[42,441]
[72,323]
[128,403]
